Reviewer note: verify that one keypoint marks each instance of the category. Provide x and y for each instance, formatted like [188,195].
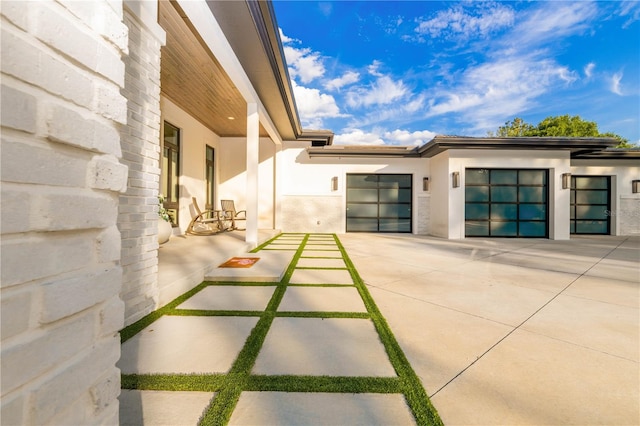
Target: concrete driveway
[513,331]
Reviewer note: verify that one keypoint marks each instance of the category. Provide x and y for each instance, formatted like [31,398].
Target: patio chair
[205,222]
[229,212]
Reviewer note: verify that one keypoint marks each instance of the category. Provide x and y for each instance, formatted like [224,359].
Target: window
[210,175]
[170,182]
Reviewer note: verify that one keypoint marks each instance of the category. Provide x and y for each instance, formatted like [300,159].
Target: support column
[253,160]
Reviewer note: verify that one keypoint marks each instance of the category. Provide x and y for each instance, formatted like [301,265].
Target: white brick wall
[140,142]
[629,211]
[423,211]
[62,72]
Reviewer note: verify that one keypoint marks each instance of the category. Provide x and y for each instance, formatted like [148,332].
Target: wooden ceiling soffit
[192,78]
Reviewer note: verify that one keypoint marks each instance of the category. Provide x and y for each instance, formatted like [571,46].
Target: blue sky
[400,72]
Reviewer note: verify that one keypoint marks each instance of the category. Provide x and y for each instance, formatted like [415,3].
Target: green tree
[517,127]
[562,125]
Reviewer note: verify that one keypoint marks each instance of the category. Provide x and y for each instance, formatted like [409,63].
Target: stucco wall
[308,180]
[62,109]
[233,177]
[194,137]
[557,162]
[625,205]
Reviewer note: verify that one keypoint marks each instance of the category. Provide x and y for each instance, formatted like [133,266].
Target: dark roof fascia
[577,146]
[611,153]
[363,151]
[264,19]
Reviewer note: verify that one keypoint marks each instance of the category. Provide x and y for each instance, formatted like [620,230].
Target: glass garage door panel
[590,205]
[379,203]
[506,203]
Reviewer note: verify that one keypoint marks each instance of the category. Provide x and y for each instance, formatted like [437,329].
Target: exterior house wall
[625,206]
[310,205]
[62,73]
[194,137]
[450,223]
[440,182]
[233,177]
[140,141]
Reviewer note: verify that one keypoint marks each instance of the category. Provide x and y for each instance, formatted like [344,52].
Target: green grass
[229,386]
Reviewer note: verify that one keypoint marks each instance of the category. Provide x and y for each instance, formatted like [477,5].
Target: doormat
[240,262]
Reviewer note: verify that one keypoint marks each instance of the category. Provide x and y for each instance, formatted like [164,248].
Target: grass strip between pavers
[229,386]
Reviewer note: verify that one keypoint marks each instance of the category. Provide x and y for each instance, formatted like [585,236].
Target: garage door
[590,204]
[379,203]
[506,203]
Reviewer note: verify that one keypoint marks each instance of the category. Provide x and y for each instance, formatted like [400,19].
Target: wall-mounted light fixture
[566,180]
[425,183]
[334,183]
[635,186]
[455,179]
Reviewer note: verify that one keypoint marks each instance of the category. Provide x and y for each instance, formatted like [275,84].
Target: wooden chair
[229,212]
[206,222]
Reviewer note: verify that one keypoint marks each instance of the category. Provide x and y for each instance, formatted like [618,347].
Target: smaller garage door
[590,205]
[378,203]
[506,203]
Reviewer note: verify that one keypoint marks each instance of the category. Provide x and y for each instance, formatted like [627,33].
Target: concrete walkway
[513,331]
[499,331]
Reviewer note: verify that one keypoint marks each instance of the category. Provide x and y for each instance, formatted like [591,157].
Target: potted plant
[164,222]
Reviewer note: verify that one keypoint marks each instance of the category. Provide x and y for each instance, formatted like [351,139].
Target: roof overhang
[578,147]
[252,31]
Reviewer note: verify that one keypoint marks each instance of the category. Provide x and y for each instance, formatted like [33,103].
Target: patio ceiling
[192,78]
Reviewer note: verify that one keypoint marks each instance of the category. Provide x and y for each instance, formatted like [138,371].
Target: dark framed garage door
[506,203]
[379,203]
[590,205]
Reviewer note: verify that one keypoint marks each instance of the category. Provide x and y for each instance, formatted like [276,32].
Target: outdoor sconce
[334,183]
[635,186]
[455,179]
[425,183]
[566,180]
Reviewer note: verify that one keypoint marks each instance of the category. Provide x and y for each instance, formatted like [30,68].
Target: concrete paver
[323,346]
[329,299]
[279,408]
[321,276]
[162,408]
[306,262]
[186,344]
[232,298]
[335,254]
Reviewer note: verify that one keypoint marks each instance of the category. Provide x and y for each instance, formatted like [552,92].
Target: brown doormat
[240,262]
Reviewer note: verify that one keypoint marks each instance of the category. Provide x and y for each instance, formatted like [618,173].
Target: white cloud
[347,78]
[615,83]
[383,91]
[357,137]
[630,9]
[314,106]
[381,137]
[588,70]
[551,21]
[304,64]
[461,24]
[491,91]
[286,39]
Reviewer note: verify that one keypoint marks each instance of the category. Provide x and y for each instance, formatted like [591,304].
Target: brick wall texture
[62,176]
[140,141]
